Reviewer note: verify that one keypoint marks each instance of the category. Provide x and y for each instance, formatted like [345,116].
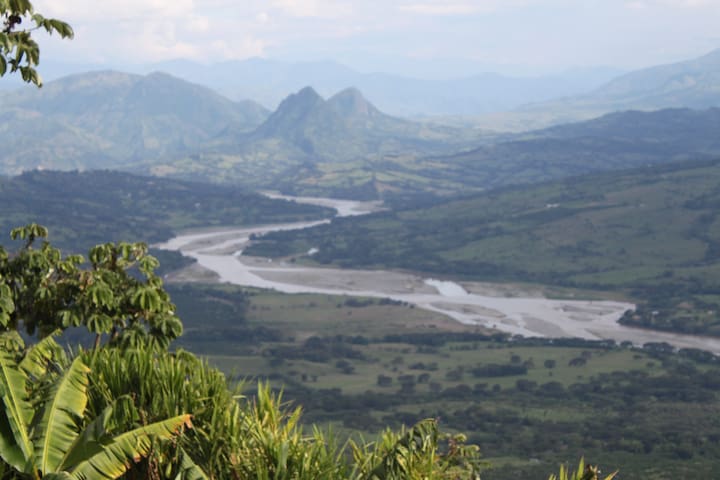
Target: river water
[500,307]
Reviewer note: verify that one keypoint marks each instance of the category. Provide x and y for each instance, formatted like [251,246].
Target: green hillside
[652,233]
[108,119]
[82,209]
[613,142]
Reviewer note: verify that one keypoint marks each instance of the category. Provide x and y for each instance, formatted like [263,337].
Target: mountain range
[161,124]
[343,145]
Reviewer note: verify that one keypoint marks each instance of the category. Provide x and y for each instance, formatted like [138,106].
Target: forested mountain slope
[82,209]
[108,119]
[613,142]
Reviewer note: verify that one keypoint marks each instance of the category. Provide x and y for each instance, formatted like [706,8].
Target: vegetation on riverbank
[648,233]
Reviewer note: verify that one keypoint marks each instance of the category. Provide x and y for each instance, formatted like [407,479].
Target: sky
[421,37]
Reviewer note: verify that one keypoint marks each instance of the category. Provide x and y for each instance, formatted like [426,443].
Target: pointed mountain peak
[291,112]
[352,102]
[305,99]
[307,93]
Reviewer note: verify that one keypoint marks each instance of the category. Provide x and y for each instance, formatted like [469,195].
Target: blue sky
[452,37]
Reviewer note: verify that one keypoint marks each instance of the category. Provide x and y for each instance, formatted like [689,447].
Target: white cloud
[199,24]
[153,30]
[495,31]
[691,3]
[313,8]
[644,4]
[441,8]
[114,10]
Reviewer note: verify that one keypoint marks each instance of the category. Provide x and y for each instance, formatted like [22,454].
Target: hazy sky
[530,36]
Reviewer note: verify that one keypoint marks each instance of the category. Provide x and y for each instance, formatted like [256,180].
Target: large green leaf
[57,476]
[36,360]
[93,437]
[188,469]
[9,449]
[118,456]
[17,409]
[57,428]
[89,442]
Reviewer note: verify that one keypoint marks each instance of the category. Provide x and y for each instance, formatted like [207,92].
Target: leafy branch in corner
[19,52]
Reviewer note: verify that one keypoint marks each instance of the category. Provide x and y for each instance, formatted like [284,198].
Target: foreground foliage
[122,409]
[44,432]
[239,437]
[583,472]
[117,295]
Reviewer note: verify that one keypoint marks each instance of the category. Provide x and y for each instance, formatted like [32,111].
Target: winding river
[504,308]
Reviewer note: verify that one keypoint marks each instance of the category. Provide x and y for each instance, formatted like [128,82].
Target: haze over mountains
[269,82]
[693,83]
[615,141]
[576,94]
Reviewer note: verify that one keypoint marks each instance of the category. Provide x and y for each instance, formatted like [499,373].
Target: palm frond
[57,427]
[36,360]
[188,469]
[117,457]
[17,412]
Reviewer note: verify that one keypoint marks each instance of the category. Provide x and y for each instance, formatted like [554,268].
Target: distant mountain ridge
[344,126]
[270,81]
[615,141]
[106,119]
[693,83]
